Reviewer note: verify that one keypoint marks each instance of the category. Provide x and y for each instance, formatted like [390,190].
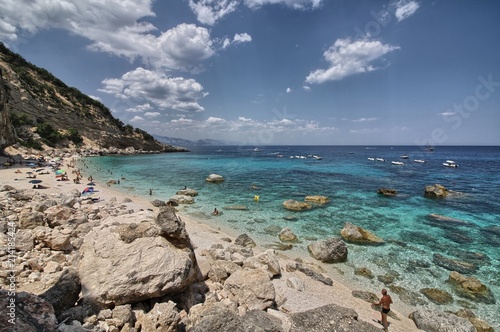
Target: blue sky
[276,71]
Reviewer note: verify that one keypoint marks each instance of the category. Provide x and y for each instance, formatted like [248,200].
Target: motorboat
[450,163]
[421,161]
[397,163]
[380,159]
[404,156]
[317,157]
[371,159]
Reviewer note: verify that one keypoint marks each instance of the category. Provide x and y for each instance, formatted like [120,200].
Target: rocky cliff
[39,110]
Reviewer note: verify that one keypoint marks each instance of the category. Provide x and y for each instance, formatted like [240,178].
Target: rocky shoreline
[115,263]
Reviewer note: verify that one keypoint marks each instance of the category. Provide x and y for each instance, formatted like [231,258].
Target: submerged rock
[437,296]
[286,235]
[471,288]
[387,192]
[358,235]
[454,264]
[294,205]
[317,199]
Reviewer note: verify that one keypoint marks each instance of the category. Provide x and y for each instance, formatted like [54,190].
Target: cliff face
[7,136]
[37,109]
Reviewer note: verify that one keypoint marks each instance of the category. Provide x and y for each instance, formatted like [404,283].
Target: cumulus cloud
[136,119]
[237,39]
[288,90]
[139,108]
[405,9]
[347,57]
[242,38]
[151,114]
[114,26]
[149,87]
[210,11]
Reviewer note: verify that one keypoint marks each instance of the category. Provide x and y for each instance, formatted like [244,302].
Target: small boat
[256,149]
[404,156]
[397,163]
[371,159]
[380,159]
[317,157]
[450,163]
[419,161]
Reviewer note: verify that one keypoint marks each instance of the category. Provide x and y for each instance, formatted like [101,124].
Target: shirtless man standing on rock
[385,303]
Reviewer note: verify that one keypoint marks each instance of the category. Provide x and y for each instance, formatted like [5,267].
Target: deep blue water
[350,180]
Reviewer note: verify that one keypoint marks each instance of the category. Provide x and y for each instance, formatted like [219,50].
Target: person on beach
[385,303]
[151,191]
[216,212]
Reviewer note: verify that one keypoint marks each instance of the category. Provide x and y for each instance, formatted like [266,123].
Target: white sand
[203,237]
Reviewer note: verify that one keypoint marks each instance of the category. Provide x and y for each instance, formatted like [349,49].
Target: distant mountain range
[185,142]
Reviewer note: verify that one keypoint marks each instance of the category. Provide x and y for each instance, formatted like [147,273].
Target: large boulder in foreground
[436,321]
[123,261]
[330,317]
[332,250]
[30,313]
[251,288]
[355,234]
[294,205]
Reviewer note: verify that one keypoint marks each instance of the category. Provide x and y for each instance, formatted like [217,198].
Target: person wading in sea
[385,303]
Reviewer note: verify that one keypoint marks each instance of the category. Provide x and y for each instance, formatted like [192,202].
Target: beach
[203,237]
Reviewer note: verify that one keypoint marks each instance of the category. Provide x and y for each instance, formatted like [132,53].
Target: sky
[262,72]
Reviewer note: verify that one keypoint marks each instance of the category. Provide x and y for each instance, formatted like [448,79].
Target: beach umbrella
[35,181]
[60,172]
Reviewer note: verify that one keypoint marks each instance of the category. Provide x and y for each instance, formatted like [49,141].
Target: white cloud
[405,9]
[137,119]
[365,119]
[446,114]
[295,4]
[113,26]
[348,58]
[242,38]
[152,114]
[139,108]
[244,128]
[306,88]
[210,11]
[183,47]
[149,87]
[288,90]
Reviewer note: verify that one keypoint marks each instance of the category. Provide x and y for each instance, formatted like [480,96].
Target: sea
[258,179]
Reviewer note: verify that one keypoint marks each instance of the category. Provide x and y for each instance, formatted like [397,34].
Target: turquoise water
[350,180]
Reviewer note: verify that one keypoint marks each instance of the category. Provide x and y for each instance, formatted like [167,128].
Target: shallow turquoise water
[350,180]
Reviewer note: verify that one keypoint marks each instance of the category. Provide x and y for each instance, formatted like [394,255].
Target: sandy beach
[203,237]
